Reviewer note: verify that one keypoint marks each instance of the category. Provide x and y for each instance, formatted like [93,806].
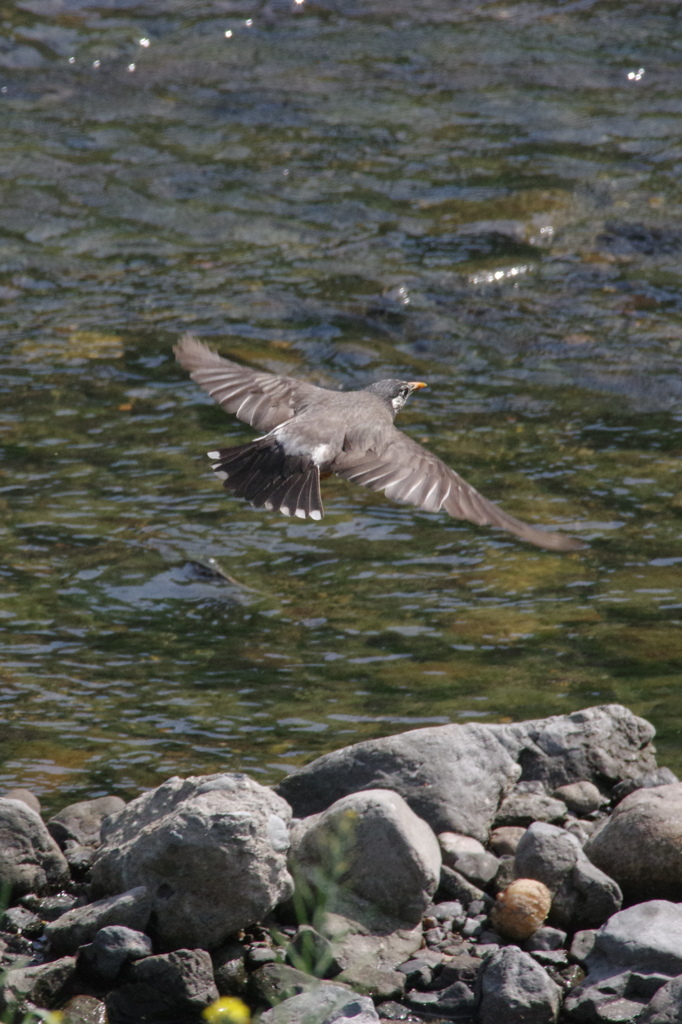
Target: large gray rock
[456,776]
[582,895]
[81,822]
[80,925]
[452,776]
[632,956]
[30,860]
[514,988]
[666,1005]
[647,936]
[640,844]
[602,745]
[210,850]
[169,989]
[372,844]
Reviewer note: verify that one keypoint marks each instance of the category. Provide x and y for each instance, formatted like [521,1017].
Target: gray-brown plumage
[309,430]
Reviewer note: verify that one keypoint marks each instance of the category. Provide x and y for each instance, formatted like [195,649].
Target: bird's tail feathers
[262,473]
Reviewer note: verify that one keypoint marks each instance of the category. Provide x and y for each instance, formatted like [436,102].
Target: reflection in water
[482,198]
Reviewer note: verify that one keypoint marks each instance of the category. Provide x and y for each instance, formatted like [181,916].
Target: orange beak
[415,384]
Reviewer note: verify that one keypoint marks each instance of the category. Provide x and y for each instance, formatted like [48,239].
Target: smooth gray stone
[640,844]
[112,948]
[458,887]
[81,822]
[606,742]
[452,776]
[580,797]
[30,860]
[390,856]
[26,797]
[647,935]
[546,938]
[78,926]
[20,921]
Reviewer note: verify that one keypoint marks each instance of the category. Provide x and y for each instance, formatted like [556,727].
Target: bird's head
[395,392]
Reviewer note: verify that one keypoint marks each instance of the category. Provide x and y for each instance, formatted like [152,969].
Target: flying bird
[308,431]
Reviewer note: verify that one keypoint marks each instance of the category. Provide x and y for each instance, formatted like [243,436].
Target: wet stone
[49,908]
[84,1010]
[229,969]
[22,922]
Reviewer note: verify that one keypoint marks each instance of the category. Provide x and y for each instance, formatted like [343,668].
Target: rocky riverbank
[528,872]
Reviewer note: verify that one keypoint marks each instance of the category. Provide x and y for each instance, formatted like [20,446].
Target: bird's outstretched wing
[263,400]
[406,472]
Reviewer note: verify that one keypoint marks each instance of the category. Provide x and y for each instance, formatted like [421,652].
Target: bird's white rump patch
[320,454]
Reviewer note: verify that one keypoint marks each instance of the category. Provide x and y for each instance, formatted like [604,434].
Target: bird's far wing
[263,400]
[407,472]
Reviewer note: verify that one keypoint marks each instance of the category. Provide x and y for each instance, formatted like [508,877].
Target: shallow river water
[484,196]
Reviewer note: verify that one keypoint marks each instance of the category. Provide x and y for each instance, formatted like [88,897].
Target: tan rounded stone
[521,909]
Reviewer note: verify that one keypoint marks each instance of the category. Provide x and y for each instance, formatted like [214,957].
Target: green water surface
[484,196]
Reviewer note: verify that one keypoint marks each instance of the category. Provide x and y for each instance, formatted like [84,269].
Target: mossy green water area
[484,196]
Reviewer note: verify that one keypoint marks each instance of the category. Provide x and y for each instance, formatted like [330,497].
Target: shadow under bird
[310,431]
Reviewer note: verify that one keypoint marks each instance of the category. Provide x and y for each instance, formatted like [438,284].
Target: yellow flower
[227,1010]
